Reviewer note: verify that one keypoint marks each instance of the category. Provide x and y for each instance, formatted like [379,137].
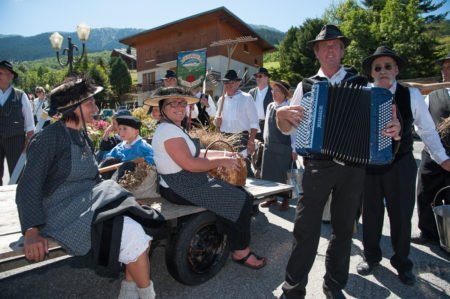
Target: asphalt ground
[272,238]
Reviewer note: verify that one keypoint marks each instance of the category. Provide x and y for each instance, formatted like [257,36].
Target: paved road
[271,237]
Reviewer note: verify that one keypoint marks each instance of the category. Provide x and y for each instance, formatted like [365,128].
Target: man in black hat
[239,114]
[16,119]
[432,177]
[262,94]
[323,175]
[395,183]
[170,79]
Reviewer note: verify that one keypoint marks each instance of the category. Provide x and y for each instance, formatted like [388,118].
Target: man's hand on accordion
[394,127]
[289,116]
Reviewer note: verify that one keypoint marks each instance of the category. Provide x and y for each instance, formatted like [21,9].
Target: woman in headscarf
[61,195]
[184,179]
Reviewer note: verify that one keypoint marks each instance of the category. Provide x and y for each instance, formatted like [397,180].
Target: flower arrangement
[148,123]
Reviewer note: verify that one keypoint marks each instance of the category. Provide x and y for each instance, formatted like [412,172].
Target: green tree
[98,75]
[119,78]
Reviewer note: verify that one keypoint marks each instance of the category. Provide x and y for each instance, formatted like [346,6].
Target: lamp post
[56,40]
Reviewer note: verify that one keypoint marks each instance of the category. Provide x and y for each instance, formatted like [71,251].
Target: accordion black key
[346,122]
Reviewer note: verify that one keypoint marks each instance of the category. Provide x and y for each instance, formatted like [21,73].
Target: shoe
[243,261]
[423,239]
[407,277]
[269,203]
[365,267]
[284,204]
[333,294]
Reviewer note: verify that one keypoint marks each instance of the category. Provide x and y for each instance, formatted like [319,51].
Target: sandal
[243,261]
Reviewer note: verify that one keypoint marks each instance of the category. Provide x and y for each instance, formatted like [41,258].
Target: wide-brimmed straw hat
[441,61]
[67,96]
[164,93]
[380,52]
[283,86]
[7,65]
[329,32]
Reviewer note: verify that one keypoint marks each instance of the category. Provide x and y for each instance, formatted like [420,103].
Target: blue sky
[31,17]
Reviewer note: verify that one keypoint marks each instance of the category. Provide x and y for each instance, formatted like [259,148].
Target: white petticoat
[134,241]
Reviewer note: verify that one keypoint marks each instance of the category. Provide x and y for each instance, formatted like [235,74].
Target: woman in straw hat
[279,152]
[61,195]
[184,178]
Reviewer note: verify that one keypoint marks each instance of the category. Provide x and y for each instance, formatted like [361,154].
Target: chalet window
[256,61]
[245,48]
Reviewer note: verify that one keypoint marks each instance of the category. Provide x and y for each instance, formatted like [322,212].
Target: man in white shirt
[432,177]
[395,183]
[16,119]
[262,94]
[206,108]
[239,114]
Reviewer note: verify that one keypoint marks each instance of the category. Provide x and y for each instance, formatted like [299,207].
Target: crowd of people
[62,195]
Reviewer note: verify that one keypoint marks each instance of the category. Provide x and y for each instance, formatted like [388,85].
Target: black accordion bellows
[346,122]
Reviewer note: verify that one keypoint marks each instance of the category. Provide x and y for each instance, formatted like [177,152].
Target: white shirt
[298,94]
[239,113]
[26,108]
[259,101]
[194,113]
[211,110]
[424,125]
[130,145]
[39,106]
[164,163]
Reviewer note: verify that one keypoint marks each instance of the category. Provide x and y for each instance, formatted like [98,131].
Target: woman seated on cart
[60,195]
[184,179]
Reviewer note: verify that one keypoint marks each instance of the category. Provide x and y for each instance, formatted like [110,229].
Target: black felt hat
[130,121]
[441,61]
[329,32]
[67,96]
[231,75]
[263,71]
[169,74]
[7,65]
[380,52]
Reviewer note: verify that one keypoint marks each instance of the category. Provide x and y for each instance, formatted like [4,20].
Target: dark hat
[441,61]
[283,86]
[122,112]
[380,52]
[329,32]
[263,71]
[231,75]
[169,74]
[7,65]
[130,121]
[67,96]
[164,93]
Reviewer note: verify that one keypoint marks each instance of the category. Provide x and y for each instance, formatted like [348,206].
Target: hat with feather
[66,97]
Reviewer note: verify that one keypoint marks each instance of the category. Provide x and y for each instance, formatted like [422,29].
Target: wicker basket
[234,177]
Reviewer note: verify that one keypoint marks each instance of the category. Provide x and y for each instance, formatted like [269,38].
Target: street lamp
[56,40]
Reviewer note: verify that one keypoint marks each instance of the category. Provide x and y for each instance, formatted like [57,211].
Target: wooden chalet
[157,48]
[128,55]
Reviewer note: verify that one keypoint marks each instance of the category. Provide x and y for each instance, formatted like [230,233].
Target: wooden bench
[11,239]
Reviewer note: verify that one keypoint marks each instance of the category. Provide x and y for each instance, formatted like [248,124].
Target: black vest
[350,77]
[439,107]
[12,122]
[403,100]
[203,116]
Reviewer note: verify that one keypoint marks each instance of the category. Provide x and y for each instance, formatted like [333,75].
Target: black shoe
[407,277]
[423,239]
[333,294]
[365,267]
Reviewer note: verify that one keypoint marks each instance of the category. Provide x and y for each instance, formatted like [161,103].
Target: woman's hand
[230,163]
[35,246]
[107,132]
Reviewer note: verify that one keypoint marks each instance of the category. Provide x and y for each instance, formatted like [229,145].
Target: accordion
[346,122]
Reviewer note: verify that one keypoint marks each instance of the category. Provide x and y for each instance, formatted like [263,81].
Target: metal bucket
[442,217]
[294,178]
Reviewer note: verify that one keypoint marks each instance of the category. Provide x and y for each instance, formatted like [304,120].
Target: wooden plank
[9,222]
[11,246]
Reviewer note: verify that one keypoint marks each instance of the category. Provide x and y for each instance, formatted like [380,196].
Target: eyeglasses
[387,67]
[176,104]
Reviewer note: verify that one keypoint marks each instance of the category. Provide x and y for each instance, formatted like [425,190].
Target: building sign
[191,68]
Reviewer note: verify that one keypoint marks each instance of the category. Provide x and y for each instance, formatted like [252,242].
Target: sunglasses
[387,67]
[177,104]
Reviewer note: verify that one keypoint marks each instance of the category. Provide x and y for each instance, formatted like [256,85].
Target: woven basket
[233,177]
